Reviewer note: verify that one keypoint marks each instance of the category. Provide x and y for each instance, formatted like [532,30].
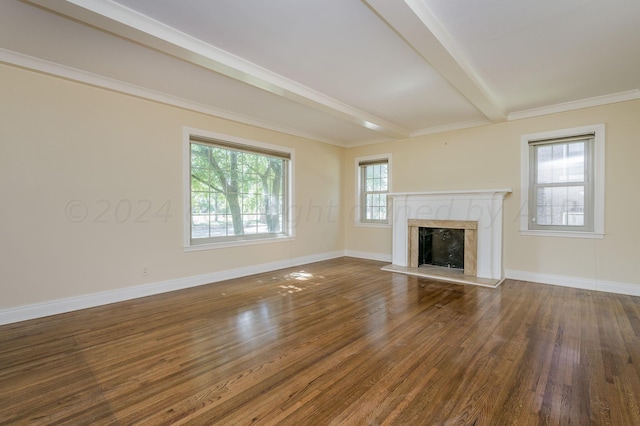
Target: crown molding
[31,63]
[450,127]
[613,98]
[13,58]
[132,25]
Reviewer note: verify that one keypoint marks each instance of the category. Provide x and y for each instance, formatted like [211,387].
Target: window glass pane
[562,205]
[199,180]
[250,224]
[576,160]
[377,207]
[383,177]
[374,187]
[369,199]
[368,184]
[200,203]
[242,192]
[229,226]
[382,200]
[560,162]
[200,226]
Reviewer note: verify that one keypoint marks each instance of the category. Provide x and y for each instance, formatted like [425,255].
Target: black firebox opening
[441,247]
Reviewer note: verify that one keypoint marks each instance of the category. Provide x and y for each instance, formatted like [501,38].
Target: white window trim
[187,134]
[598,167]
[358,206]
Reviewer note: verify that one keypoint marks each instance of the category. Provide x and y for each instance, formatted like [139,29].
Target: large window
[238,191]
[373,187]
[564,182]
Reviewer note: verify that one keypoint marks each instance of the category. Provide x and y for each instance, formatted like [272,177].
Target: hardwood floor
[335,342]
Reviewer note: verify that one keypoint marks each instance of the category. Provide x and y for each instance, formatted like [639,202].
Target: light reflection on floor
[252,324]
[296,276]
[300,276]
[289,289]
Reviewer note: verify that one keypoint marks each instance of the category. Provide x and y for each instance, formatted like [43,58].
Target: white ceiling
[345,72]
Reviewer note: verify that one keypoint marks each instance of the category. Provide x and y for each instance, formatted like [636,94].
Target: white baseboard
[575,282]
[54,307]
[370,256]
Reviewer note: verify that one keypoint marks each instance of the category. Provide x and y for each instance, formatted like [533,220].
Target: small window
[373,187]
[238,192]
[564,188]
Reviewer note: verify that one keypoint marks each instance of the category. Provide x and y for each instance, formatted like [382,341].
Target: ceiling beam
[124,22]
[416,24]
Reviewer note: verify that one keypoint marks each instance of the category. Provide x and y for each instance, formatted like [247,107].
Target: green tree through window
[236,192]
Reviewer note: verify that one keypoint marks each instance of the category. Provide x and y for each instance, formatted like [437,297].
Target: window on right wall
[563,183]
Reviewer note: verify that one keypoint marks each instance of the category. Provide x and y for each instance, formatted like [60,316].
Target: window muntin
[237,192]
[374,186]
[563,183]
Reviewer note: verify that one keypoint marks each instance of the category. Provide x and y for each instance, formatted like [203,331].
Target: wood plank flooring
[331,343]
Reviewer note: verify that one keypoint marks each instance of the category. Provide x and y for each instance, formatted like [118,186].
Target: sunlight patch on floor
[300,276]
[290,289]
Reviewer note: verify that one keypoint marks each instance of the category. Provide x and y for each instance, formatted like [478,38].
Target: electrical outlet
[145,270]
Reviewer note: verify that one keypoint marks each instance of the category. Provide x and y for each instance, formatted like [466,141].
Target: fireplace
[478,214]
[441,247]
[468,229]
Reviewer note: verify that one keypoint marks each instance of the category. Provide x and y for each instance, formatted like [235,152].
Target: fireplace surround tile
[470,228]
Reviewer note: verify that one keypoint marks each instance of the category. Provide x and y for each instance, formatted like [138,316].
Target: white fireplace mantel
[483,206]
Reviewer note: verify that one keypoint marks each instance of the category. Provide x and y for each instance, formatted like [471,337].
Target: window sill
[237,243]
[563,234]
[373,225]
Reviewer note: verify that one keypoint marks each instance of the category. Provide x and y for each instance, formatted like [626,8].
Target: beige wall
[63,143]
[488,157]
